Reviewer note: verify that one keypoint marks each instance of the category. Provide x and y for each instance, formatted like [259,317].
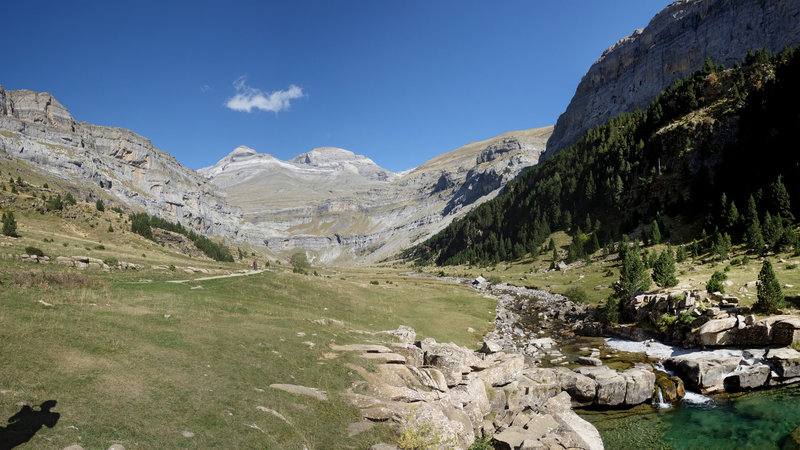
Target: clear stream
[756,420]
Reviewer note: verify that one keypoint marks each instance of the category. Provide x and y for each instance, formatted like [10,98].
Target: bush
[69,198]
[576,294]
[100,205]
[791,266]
[483,443]
[99,247]
[34,251]
[375,282]
[686,318]
[172,267]
[666,322]
[715,282]
[299,262]
[745,260]
[494,279]
[111,261]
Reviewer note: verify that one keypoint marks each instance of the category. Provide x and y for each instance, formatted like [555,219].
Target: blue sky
[398,81]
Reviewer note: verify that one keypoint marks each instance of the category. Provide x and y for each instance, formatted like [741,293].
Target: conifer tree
[680,254]
[770,295]
[779,200]
[715,282]
[9,224]
[753,236]
[664,270]
[633,276]
[655,233]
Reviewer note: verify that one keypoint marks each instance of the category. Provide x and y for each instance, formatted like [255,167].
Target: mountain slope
[717,132]
[344,208]
[676,42]
[107,162]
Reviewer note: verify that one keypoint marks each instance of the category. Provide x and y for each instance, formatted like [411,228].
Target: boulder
[639,384]
[472,399]
[430,377]
[671,388]
[784,361]
[414,355]
[611,386]
[705,371]
[716,332]
[786,331]
[581,388]
[502,372]
[747,377]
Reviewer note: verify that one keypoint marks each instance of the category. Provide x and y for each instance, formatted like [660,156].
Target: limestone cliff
[108,161]
[629,74]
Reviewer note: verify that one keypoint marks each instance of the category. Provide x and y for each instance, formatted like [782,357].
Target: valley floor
[134,360]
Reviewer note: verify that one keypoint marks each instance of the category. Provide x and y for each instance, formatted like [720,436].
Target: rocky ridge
[676,42]
[343,207]
[108,162]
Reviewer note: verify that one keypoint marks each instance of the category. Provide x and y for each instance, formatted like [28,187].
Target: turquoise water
[757,420]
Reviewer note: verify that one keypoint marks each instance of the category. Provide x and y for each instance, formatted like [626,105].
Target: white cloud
[205,88]
[247,98]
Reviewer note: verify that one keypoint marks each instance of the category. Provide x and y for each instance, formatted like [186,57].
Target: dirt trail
[237,274]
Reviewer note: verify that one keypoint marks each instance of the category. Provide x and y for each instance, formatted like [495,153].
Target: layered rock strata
[109,162]
[676,42]
[342,207]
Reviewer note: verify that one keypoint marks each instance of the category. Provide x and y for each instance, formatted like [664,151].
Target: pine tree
[9,224]
[664,270]
[779,200]
[680,254]
[611,311]
[554,263]
[100,205]
[753,236]
[770,295]
[655,233]
[595,243]
[633,276]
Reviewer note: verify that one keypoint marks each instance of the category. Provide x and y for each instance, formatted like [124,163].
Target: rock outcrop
[730,370]
[676,42]
[453,395]
[108,162]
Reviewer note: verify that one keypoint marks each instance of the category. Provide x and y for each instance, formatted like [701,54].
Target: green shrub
[666,321]
[99,247]
[715,282]
[34,251]
[483,443]
[172,267]
[745,260]
[791,266]
[100,205]
[494,279]
[9,224]
[576,294]
[299,262]
[111,261]
[687,318]
[69,198]
[375,282]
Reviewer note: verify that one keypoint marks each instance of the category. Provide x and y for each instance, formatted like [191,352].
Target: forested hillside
[717,152]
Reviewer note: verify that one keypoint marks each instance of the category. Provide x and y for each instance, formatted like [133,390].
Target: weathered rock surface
[343,207]
[629,74]
[530,409]
[107,161]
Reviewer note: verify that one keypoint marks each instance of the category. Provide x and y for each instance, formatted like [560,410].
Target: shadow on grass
[23,425]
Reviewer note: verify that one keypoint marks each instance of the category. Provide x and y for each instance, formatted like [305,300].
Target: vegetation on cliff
[714,140]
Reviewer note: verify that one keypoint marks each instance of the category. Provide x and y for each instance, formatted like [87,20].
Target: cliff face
[37,129]
[676,42]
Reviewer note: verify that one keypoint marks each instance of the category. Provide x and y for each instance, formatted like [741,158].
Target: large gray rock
[630,73]
[785,362]
[746,378]
[611,386]
[581,388]
[717,332]
[639,385]
[705,371]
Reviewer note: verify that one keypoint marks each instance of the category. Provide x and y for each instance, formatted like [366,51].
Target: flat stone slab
[274,413]
[359,427]
[391,358]
[367,348]
[302,390]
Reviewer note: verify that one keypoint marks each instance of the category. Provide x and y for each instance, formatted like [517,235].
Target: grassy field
[140,363]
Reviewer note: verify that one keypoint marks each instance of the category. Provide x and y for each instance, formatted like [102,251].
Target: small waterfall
[695,399]
[660,404]
[659,365]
